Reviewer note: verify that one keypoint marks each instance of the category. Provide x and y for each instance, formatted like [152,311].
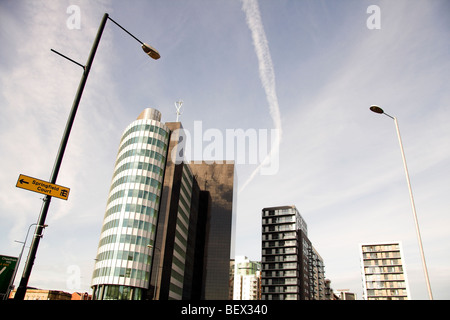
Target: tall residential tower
[383,271]
[291,267]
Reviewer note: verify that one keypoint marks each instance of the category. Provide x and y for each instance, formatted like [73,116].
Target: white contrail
[266,74]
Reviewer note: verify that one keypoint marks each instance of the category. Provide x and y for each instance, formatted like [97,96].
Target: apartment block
[247,279]
[291,267]
[383,271]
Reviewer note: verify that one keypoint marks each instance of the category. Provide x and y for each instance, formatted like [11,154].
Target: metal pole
[21,290]
[11,283]
[413,209]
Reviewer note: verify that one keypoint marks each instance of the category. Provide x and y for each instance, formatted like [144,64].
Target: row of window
[138,165]
[139,208]
[279,227]
[267,213]
[129,223]
[279,236]
[184,209]
[145,140]
[383,262]
[287,243]
[141,152]
[386,284]
[113,209]
[285,265]
[125,238]
[280,289]
[280,297]
[124,255]
[382,255]
[174,273]
[386,292]
[385,277]
[282,219]
[114,292]
[369,270]
[134,208]
[175,292]
[145,127]
[279,250]
[184,189]
[279,258]
[135,179]
[181,228]
[122,272]
[380,247]
[134,193]
[275,281]
[392,297]
[279,273]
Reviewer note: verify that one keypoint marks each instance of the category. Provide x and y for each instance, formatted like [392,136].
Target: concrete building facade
[383,271]
[291,268]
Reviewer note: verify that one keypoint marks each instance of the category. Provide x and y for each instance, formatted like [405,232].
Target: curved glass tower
[124,256]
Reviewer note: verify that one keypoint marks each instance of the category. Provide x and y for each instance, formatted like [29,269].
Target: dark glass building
[219,181]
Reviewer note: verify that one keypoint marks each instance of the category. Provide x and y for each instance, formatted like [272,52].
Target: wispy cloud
[267,76]
[39,91]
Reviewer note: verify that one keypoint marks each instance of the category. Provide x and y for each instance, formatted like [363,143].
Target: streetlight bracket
[71,60]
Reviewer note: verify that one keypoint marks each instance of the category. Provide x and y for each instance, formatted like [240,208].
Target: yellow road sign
[43,187]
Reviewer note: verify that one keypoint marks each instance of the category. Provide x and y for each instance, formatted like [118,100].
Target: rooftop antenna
[178,105]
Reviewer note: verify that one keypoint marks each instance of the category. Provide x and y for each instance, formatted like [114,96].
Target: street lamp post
[21,290]
[377,109]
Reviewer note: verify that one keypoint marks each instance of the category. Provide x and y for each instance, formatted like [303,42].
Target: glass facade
[218,180]
[124,256]
[195,228]
[181,236]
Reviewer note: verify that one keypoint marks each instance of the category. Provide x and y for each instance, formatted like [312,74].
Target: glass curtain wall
[123,262]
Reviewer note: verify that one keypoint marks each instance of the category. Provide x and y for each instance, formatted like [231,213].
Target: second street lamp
[21,290]
[377,109]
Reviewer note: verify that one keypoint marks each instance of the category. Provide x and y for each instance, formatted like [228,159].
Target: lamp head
[152,52]
[376,109]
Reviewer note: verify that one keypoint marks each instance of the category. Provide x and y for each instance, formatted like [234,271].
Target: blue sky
[308,68]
